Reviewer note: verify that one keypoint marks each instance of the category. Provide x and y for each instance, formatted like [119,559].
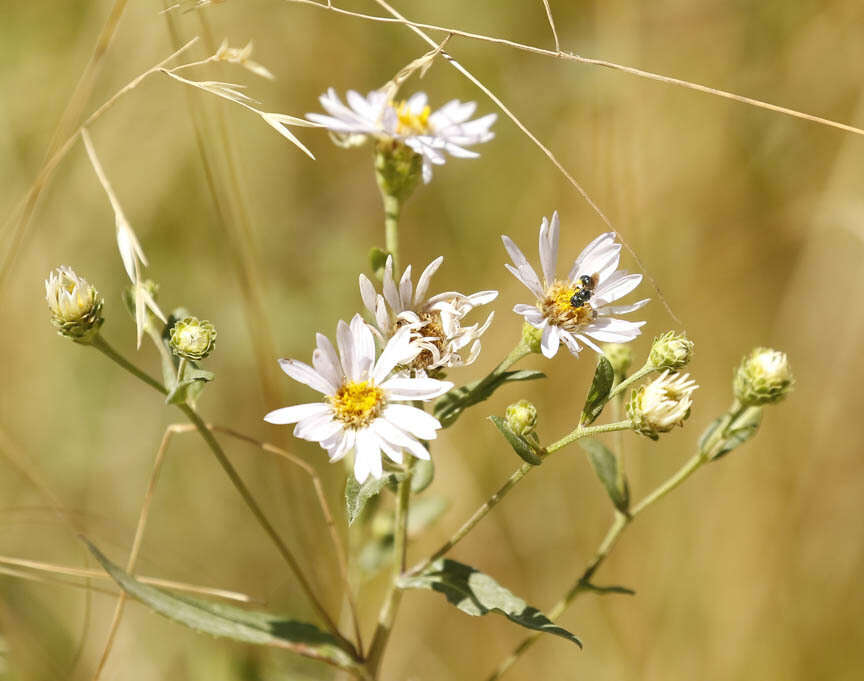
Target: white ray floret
[595,275]
[440,336]
[361,410]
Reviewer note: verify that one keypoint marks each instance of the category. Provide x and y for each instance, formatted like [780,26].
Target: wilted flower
[763,377]
[76,306]
[443,342]
[662,404]
[431,134]
[521,417]
[671,351]
[361,410]
[192,338]
[569,311]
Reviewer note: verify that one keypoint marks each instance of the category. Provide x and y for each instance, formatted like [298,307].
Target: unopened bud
[398,168]
[193,339]
[763,377]
[76,306]
[620,356]
[521,417]
[532,337]
[671,351]
[662,404]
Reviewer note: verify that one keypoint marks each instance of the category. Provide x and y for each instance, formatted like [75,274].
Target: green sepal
[226,621]
[598,394]
[188,390]
[606,466]
[478,594]
[377,261]
[734,434]
[449,406]
[527,450]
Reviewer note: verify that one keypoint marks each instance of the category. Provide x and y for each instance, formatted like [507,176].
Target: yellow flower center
[409,122]
[556,307]
[357,404]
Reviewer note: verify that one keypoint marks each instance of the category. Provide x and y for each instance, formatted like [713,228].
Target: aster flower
[432,135]
[76,306]
[440,337]
[361,410]
[576,309]
[662,404]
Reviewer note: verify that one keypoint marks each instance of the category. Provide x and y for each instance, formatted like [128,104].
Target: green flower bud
[76,306]
[671,351]
[662,404]
[620,356]
[764,377]
[398,168]
[531,337]
[521,417]
[192,338]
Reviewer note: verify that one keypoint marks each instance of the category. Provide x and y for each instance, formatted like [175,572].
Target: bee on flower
[576,309]
[443,342]
[433,135]
[362,409]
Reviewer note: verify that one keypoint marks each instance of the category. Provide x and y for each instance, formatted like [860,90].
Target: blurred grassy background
[750,222]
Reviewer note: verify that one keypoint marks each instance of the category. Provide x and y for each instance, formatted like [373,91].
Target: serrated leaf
[525,450]
[734,434]
[606,466]
[357,495]
[226,621]
[448,407]
[477,594]
[598,394]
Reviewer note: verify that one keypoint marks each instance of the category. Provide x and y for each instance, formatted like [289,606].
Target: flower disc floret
[357,404]
[191,338]
[576,310]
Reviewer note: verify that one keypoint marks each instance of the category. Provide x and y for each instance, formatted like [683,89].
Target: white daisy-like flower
[442,340]
[430,134]
[361,410]
[576,309]
[662,404]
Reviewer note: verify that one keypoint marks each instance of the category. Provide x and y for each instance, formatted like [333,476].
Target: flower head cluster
[431,134]
[576,309]
[439,336]
[763,377]
[361,409]
[76,306]
[662,404]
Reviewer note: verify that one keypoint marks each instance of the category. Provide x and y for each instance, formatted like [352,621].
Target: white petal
[570,341]
[481,298]
[589,343]
[382,318]
[415,421]
[622,309]
[399,438]
[345,341]
[368,293]
[524,272]
[364,348]
[619,287]
[601,242]
[398,350]
[405,286]
[390,291]
[425,278]
[297,412]
[549,341]
[392,452]
[610,330]
[367,455]
[549,247]
[401,388]
[341,445]
[326,362]
[318,428]
[307,375]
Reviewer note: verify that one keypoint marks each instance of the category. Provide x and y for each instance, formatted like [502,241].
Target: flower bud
[763,377]
[398,168]
[76,306]
[521,417]
[620,356]
[531,337]
[192,338]
[662,404]
[671,351]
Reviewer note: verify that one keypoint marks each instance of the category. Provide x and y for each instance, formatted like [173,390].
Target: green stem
[181,369]
[392,208]
[387,616]
[100,344]
[630,380]
[580,431]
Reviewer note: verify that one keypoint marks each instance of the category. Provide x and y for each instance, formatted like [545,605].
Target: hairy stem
[392,209]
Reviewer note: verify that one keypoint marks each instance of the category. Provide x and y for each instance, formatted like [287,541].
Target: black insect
[584,293]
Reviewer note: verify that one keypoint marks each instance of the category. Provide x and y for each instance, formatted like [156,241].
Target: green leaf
[524,448]
[598,394]
[734,434]
[424,512]
[190,387]
[228,621]
[357,495]
[424,473]
[606,466]
[478,594]
[377,261]
[448,407]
